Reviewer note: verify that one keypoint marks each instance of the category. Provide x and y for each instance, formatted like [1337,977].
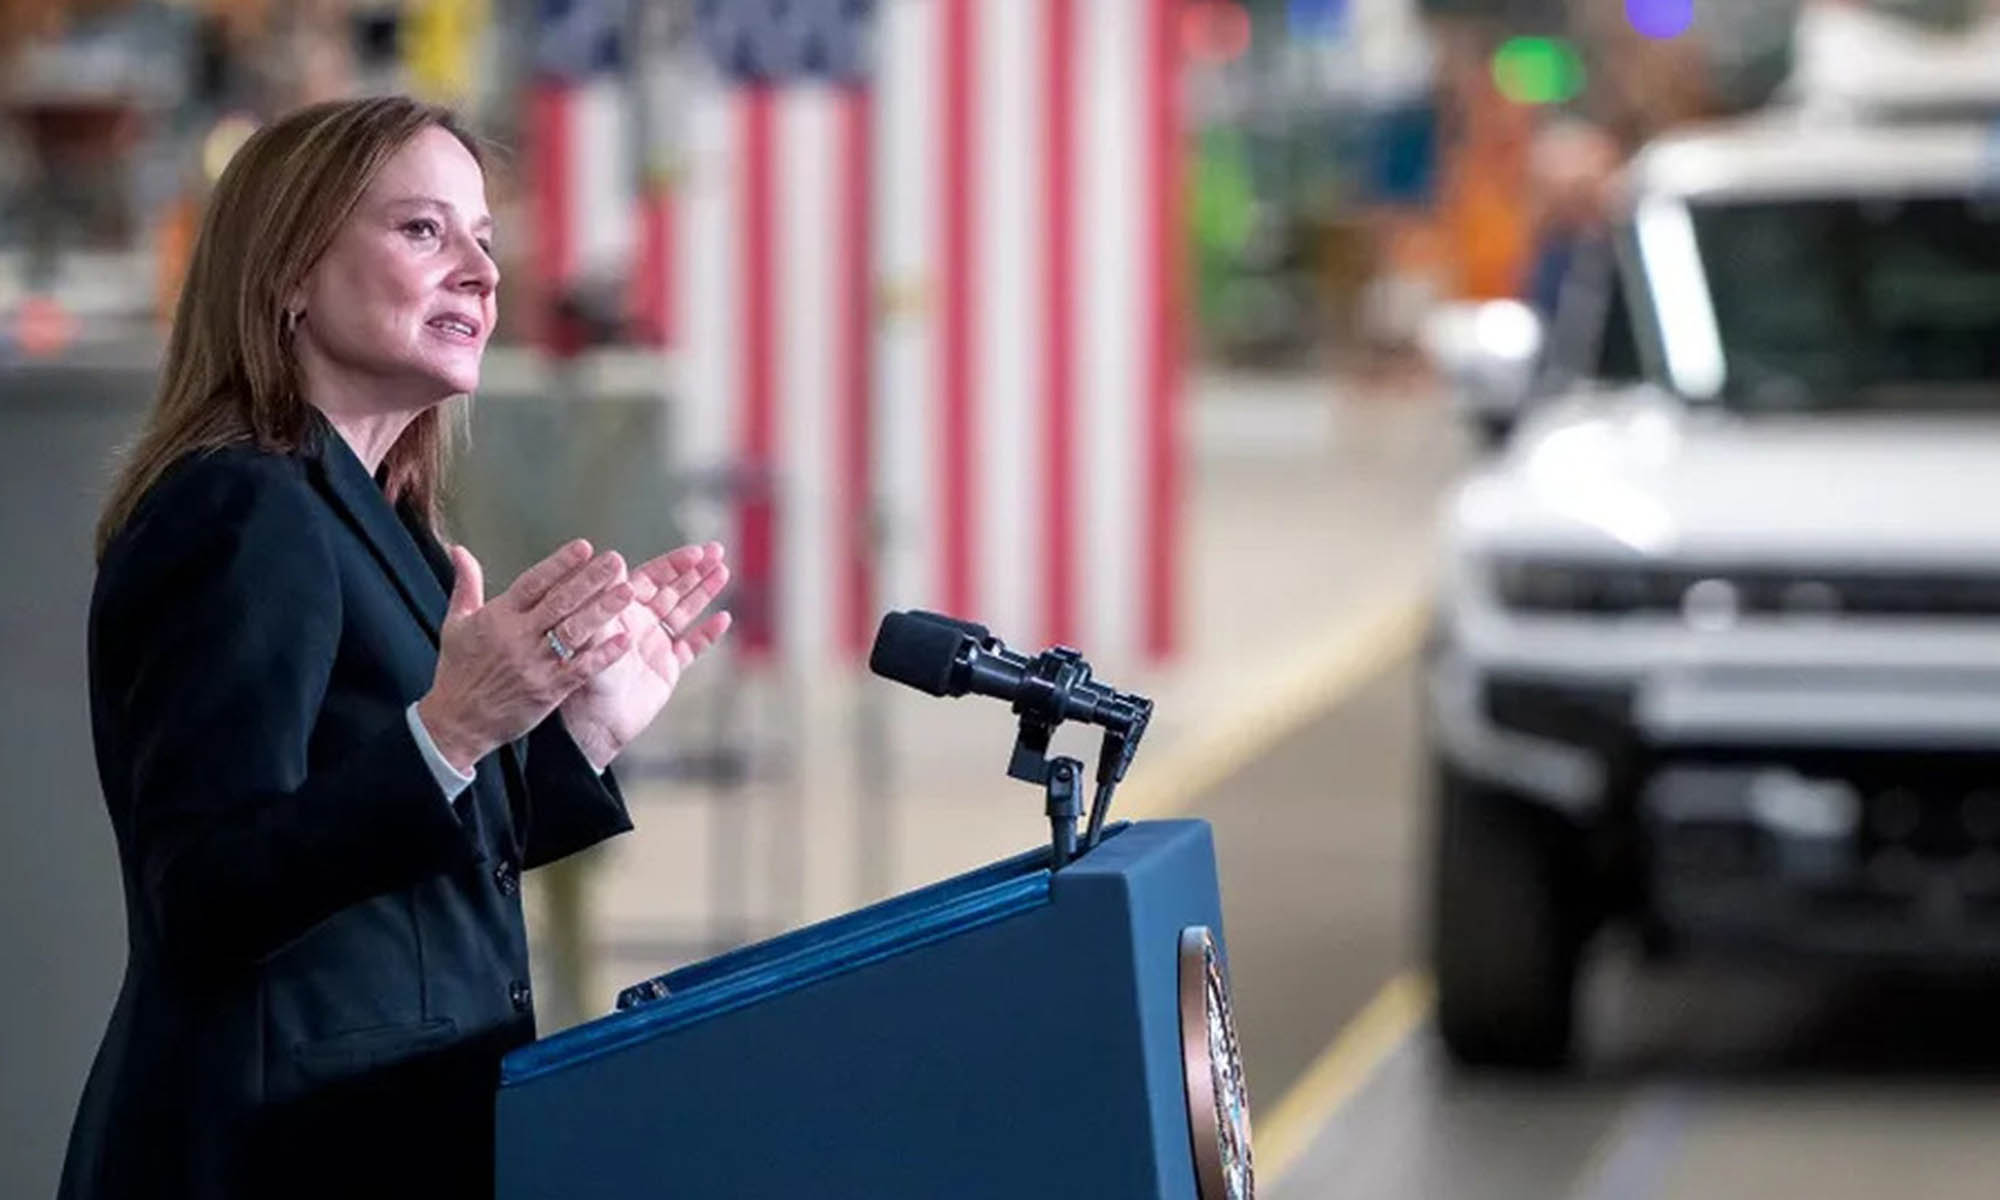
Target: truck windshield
[1884,305]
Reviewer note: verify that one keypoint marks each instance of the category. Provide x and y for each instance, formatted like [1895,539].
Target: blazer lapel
[512,774]
[360,500]
[420,570]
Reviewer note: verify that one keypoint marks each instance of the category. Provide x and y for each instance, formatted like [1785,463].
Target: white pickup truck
[1717,645]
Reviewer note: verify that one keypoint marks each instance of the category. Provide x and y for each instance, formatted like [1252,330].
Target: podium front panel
[1006,1033]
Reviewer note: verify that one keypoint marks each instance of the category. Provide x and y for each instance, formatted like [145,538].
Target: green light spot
[1538,70]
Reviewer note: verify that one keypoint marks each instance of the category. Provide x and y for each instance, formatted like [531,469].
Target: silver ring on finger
[560,648]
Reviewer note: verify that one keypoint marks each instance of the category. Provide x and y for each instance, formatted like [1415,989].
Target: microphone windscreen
[917,651]
[971,629]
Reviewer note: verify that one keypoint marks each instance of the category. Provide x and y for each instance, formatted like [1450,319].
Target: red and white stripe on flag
[949,299]
[777,322]
[583,176]
[586,219]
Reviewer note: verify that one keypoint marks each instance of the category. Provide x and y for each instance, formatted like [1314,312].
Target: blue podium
[1011,1032]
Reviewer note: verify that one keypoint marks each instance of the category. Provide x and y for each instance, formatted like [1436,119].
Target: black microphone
[945,656]
[922,651]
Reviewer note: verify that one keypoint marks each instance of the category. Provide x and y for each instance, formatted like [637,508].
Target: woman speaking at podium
[327,753]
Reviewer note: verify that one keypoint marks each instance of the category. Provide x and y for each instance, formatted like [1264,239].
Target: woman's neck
[369,420]
[370,435]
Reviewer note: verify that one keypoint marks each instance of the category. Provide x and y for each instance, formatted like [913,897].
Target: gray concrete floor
[1702,1079]
[1315,843]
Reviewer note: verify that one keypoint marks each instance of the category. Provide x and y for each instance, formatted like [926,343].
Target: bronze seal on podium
[1212,1066]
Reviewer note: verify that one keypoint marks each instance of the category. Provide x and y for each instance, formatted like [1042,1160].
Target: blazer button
[517,993]
[507,878]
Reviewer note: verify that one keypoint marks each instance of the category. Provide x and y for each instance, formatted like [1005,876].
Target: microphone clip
[1049,682]
[1046,685]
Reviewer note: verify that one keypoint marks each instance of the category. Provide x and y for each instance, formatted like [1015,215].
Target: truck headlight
[1540,585]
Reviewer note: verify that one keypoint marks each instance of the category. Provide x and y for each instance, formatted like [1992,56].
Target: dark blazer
[326,959]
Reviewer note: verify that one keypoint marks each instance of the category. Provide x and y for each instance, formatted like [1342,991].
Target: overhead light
[1538,70]
[1660,18]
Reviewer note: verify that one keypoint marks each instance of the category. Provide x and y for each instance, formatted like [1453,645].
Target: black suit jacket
[326,959]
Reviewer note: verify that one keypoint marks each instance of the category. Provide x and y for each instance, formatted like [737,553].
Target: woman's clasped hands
[576,632]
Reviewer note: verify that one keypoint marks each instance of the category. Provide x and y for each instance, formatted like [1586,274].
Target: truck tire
[1509,917]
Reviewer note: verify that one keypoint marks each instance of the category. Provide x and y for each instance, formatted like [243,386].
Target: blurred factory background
[1231,341]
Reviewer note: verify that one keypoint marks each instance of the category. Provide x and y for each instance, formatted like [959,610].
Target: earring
[292,318]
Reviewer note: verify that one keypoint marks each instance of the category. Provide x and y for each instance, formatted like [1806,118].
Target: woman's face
[398,309]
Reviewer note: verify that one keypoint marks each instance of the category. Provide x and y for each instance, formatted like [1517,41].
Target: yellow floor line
[1349,1060]
[1320,676]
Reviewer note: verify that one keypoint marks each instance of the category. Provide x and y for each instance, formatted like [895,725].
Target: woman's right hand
[497,676]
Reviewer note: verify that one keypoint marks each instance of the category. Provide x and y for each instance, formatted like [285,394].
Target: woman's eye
[422,227]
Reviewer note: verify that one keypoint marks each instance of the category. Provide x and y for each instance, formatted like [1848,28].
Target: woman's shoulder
[232,469]
[217,493]
[233,533]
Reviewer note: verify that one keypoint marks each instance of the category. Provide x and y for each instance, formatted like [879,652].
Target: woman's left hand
[666,633]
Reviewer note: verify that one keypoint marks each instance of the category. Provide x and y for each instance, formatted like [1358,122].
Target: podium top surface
[804,956]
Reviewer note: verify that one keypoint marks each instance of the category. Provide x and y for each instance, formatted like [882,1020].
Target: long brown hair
[230,376]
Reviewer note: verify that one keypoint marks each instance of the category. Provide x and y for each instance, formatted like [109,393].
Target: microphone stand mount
[1050,679]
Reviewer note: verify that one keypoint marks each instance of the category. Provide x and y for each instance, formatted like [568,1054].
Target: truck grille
[1605,589]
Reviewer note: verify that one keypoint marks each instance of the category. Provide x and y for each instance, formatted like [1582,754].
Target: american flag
[587,225]
[928,283]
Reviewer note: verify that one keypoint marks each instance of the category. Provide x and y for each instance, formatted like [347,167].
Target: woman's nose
[478,272]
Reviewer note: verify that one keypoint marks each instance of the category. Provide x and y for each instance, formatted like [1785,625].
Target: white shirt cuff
[579,748]
[450,780]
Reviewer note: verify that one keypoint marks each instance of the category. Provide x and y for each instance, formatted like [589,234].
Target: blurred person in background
[1571,170]
[326,755]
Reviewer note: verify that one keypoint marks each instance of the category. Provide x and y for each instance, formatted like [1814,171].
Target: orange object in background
[1484,215]
[1486,228]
